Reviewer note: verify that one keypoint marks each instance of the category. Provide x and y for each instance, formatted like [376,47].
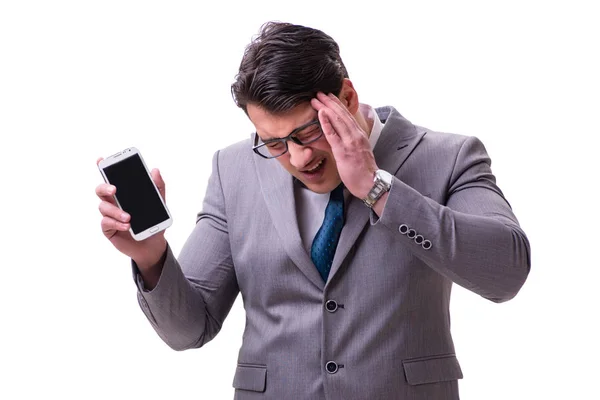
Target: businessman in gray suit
[342,226]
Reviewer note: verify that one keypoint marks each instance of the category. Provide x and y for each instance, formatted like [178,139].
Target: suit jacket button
[411,233]
[331,367]
[419,239]
[403,229]
[426,244]
[331,306]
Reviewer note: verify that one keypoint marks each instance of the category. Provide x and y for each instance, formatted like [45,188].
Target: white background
[82,79]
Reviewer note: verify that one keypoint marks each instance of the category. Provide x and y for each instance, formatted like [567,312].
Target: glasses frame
[284,140]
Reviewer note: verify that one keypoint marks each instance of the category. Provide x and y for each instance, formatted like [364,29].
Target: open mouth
[316,168]
[315,174]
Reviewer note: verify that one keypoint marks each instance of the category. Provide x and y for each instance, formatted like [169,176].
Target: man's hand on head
[349,144]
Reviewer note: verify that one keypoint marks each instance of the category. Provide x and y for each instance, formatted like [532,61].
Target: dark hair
[286,65]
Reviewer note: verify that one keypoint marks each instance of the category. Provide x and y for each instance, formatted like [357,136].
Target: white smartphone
[136,193]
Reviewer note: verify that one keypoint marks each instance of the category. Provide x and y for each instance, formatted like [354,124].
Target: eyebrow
[271,139]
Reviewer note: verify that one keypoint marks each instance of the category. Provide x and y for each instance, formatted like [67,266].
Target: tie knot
[337,194]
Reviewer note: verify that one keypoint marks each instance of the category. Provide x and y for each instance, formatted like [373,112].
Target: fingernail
[124,216]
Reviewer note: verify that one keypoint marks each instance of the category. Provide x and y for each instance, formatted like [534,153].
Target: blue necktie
[326,239]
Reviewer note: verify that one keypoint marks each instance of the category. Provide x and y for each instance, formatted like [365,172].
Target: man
[342,226]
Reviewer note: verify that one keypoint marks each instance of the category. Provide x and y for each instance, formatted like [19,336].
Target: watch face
[382,184]
[384,176]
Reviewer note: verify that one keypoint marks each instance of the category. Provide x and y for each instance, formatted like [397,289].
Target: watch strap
[380,187]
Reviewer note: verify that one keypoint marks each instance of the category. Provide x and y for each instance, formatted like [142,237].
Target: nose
[299,155]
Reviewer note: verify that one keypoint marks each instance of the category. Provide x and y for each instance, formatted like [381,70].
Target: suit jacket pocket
[432,369]
[251,377]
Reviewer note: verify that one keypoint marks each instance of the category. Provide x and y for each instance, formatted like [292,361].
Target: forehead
[270,126]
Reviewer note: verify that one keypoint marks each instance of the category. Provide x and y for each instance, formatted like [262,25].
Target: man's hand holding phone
[148,253]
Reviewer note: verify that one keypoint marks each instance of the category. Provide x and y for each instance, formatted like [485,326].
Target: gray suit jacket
[382,319]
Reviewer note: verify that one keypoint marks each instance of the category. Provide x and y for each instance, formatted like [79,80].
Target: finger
[330,133]
[341,120]
[110,225]
[322,115]
[338,126]
[159,182]
[332,101]
[105,192]
[336,104]
[108,209]
[316,104]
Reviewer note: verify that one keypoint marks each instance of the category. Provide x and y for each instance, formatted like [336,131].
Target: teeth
[316,166]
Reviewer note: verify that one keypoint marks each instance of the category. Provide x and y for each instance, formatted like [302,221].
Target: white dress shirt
[310,206]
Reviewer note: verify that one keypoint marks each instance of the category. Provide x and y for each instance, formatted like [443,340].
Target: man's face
[312,164]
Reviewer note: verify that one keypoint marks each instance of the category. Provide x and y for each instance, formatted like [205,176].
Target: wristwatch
[382,184]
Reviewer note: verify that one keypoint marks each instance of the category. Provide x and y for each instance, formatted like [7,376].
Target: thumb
[159,182]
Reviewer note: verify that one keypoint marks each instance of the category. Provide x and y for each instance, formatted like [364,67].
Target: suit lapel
[278,191]
[397,141]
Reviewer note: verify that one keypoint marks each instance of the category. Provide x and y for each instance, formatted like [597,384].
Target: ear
[349,97]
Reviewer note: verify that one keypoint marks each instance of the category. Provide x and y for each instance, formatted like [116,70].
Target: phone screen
[136,193]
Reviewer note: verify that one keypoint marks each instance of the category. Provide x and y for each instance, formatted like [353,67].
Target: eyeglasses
[302,135]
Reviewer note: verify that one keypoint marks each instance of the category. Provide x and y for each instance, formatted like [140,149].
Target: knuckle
[104,224]
[110,224]
[99,190]
[104,208]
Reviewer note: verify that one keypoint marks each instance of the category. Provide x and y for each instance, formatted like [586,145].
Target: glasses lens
[309,134]
[270,150]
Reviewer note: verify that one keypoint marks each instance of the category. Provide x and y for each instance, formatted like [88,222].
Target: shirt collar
[370,115]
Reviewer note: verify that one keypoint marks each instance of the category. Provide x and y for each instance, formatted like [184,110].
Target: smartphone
[136,193]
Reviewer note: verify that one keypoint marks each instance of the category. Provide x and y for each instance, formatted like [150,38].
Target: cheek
[284,160]
[322,146]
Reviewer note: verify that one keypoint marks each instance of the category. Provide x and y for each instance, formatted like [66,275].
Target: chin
[322,187]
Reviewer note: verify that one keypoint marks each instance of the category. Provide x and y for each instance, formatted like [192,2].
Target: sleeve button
[331,367]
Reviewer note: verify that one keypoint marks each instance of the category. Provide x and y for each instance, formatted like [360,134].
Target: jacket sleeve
[475,239]
[196,291]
